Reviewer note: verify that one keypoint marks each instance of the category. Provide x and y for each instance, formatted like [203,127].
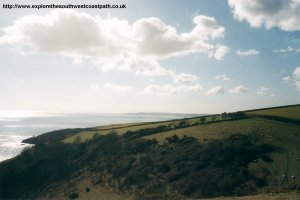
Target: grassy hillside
[121,129]
[292,112]
[230,154]
[284,136]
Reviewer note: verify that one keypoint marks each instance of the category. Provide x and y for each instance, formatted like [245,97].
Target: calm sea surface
[15,129]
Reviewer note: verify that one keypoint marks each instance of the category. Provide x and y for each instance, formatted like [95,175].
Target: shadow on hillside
[143,167]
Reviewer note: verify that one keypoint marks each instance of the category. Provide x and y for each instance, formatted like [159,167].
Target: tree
[224,115]
[202,120]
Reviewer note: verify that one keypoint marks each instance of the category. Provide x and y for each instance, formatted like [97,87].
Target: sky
[205,56]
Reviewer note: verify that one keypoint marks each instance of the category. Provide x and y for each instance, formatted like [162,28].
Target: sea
[15,127]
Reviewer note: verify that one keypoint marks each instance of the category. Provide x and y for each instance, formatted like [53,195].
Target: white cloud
[283,14]
[222,77]
[117,88]
[239,89]
[264,91]
[250,52]
[286,79]
[183,78]
[170,89]
[207,27]
[296,73]
[112,43]
[294,79]
[221,51]
[287,50]
[145,67]
[215,90]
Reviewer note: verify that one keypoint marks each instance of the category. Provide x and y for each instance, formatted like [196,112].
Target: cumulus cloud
[168,89]
[250,52]
[283,14]
[215,90]
[117,88]
[112,43]
[294,79]
[140,66]
[183,78]
[222,77]
[221,51]
[239,89]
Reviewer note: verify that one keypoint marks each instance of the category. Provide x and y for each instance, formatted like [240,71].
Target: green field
[123,128]
[120,129]
[292,112]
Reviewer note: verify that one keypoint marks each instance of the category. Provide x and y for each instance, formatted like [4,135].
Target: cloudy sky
[205,56]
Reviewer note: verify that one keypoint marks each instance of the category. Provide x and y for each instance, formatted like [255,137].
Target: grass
[119,129]
[123,128]
[288,112]
[286,137]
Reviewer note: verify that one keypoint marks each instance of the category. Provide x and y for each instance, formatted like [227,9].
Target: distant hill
[230,154]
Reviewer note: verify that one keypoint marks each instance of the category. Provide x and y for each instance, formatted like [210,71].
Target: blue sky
[205,56]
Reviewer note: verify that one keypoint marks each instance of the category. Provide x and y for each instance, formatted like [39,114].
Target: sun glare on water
[19,114]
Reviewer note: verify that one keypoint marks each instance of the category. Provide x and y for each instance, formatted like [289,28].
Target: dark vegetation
[145,168]
[183,165]
[53,136]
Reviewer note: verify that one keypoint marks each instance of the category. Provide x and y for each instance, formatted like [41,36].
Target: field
[123,128]
[292,112]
